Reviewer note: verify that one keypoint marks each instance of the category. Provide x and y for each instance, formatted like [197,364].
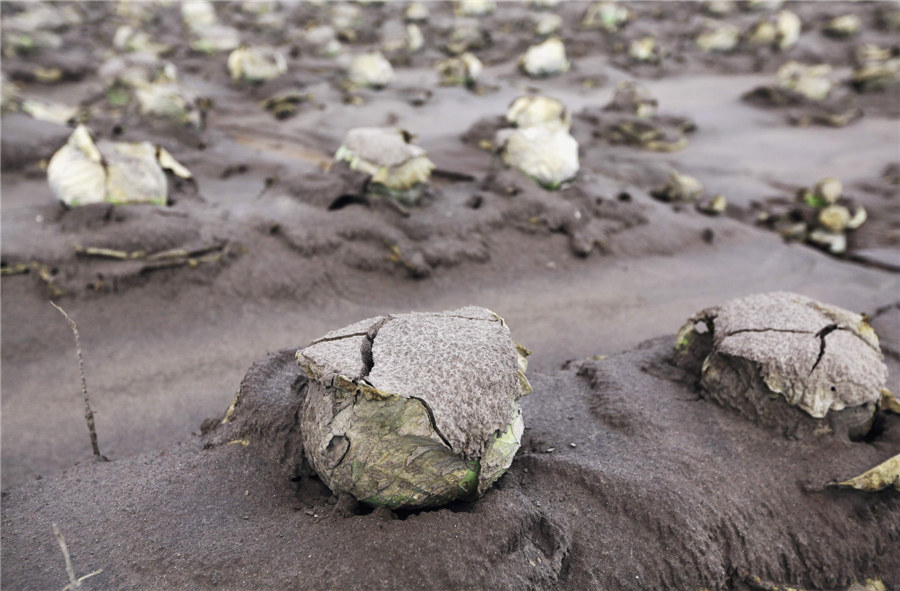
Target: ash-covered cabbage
[401,39]
[548,24]
[549,156]
[171,102]
[416,12]
[756,350]
[718,37]
[846,25]
[634,99]
[463,70]
[414,410]
[207,34]
[821,215]
[631,117]
[535,110]
[398,167]
[645,50]
[877,68]
[545,59]
[50,111]
[127,38]
[256,64]
[680,187]
[606,15]
[155,88]
[780,31]
[166,99]
[323,41]
[84,171]
[810,81]
[371,69]
[474,7]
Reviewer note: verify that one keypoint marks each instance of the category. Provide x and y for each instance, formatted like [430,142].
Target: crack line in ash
[369,363]
[498,319]
[338,338]
[824,332]
[433,422]
[821,336]
[840,324]
[787,330]
[860,337]
[366,349]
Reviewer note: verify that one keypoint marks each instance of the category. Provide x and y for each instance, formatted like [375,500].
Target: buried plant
[821,215]
[399,169]
[787,361]
[811,95]
[884,475]
[887,473]
[414,410]
[632,118]
[462,70]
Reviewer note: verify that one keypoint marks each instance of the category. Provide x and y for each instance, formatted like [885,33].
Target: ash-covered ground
[272,244]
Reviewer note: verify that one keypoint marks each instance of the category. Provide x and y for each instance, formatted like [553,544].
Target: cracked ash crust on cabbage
[414,409]
[757,353]
[378,147]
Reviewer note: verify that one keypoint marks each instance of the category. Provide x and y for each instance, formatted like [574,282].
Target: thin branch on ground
[74,582]
[88,413]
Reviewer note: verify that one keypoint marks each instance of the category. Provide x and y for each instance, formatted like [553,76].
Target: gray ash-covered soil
[626,479]
[272,247]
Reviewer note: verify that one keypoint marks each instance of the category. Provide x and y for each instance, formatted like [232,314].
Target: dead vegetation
[88,413]
[74,582]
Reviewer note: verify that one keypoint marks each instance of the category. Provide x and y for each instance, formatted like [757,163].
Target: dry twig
[88,413]
[74,582]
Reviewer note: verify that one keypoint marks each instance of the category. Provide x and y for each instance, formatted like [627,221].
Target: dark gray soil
[625,479]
